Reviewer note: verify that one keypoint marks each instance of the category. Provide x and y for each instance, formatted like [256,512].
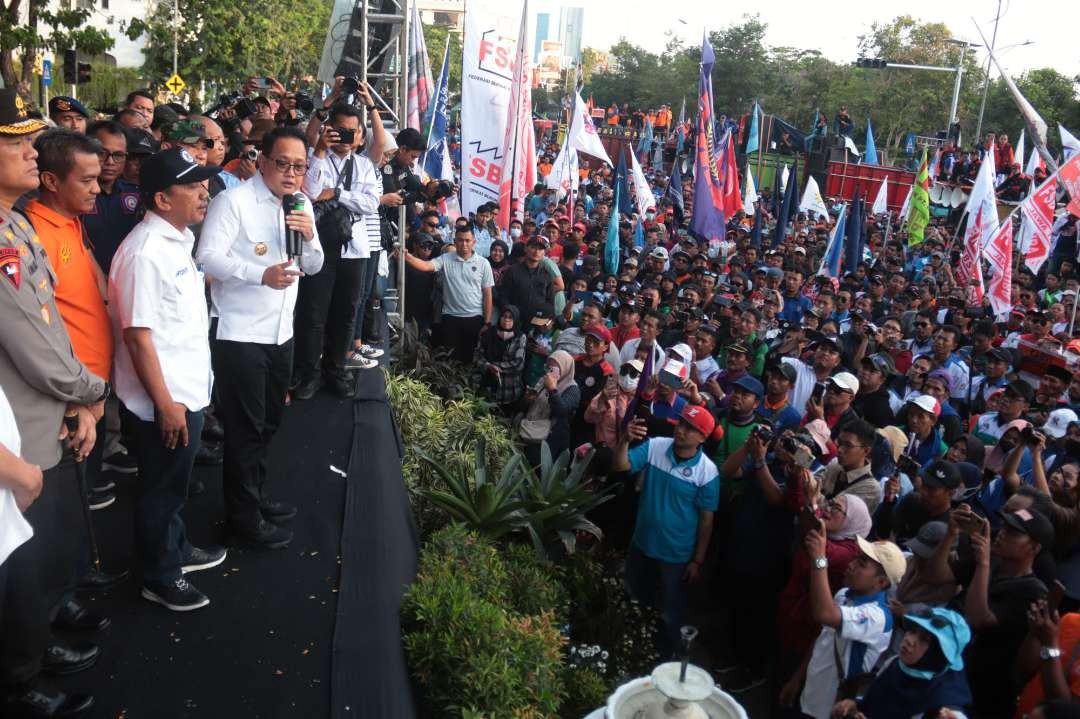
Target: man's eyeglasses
[850,445]
[116,157]
[283,166]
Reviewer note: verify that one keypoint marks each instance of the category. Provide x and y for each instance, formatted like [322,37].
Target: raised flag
[1035,162]
[436,145]
[787,207]
[1070,179]
[783,179]
[708,218]
[622,182]
[611,246]
[486,77]
[645,143]
[830,263]
[643,196]
[1018,152]
[639,232]
[1069,144]
[674,192]
[812,201]
[729,177]
[906,207]
[419,84]
[680,139]
[518,175]
[778,190]
[934,164]
[856,236]
[918,203]
[1035,231]
[998,254]
[750,195]
[881,202]
[870,156]
[583,135]
[564,171]
[755,231]
[982,223]
[752,138]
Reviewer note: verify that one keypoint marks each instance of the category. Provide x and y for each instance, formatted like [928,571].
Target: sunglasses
[629,372]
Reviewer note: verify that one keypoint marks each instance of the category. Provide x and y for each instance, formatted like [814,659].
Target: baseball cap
[1033,524]
[682,351]
[172,167]
[845,381]
[542,315]
[539,241]
[943,376]
[185,131]
[1021,389]
[700,419]
[659,253]
[785,370]
[881,362]
[600,332]
[927,540]
[1058,422]
[164,115]
[774,272]
[750,384]
[140,142]
[63,103]
[927,404]
[580,226]
[1059,372]
[888,555]
[941,473]
[1000,354]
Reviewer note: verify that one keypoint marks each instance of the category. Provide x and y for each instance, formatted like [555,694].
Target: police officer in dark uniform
[117,207]
[43,381]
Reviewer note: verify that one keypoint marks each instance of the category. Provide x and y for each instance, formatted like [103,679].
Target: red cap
[702,420]
[600,332]
[580,226]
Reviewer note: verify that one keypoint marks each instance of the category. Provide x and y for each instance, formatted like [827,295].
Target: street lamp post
[175,32]
[986,79]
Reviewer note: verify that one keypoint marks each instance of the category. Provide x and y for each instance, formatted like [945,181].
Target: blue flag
[645,143]
[436,145]
[680,132]
[752,137]
[622,200]
[789,207]
[611,247]
[755,233]
[708,219]
[830,263]
[639,232]
[853,246]
[870,156]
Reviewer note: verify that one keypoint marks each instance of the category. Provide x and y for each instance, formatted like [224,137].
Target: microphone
[294,241]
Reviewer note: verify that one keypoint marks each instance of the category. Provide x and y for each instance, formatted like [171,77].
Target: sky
[834,30]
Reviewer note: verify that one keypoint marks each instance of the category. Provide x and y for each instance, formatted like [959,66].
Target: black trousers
[164,476]
[326,305]
[460,335]
[37,574]
[251,380]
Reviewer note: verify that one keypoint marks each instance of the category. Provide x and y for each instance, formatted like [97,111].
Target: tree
[1052,94]
[67,30]
[435,38]
[223,42]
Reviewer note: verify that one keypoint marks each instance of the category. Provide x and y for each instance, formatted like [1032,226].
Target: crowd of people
[865,472]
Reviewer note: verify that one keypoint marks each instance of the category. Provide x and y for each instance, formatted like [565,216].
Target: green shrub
[585,691]
[473,652]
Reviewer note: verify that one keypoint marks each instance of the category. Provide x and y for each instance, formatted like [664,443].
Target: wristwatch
[1048,653]
[821,562]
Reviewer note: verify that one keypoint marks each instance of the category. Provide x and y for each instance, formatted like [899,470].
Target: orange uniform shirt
[1069,635]
[78,296]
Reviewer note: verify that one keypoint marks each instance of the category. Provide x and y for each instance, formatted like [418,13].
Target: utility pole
[986,79]
[956,85]
[175,31]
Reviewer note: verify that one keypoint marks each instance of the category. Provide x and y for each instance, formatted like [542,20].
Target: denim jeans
[659,584]
[369,273]
[164,474]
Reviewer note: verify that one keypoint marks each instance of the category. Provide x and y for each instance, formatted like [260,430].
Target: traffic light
[83,74]
[70,67]
[873,63]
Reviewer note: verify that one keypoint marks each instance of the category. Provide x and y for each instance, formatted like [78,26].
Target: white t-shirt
[14,529]
[865,631]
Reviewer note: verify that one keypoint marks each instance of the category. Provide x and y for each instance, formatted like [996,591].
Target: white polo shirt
[463,283]
[244,233]
[154,283]
[14,529]
[865,631]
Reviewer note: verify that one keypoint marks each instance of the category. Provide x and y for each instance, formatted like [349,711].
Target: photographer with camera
[346,190]
[901,519]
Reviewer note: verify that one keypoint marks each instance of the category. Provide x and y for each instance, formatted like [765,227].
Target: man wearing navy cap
[163,372]
[68,112]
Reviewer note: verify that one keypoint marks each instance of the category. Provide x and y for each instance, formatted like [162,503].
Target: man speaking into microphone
[259,238]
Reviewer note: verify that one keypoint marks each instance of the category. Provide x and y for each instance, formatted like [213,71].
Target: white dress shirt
[244,233]
[362,197]
[154,283]
[14,529]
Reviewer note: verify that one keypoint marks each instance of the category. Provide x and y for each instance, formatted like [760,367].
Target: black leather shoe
[61,659]
[306,390]
[344,387]
[74,617]
[210,453]
[35,704]
[96,581]
[275,511]
[264,536]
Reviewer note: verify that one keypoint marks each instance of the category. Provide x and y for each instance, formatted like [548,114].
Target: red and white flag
[519,142]
[1035,231]
[982,223]
[999,254]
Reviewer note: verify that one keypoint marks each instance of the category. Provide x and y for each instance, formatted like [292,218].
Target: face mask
[515,232]
[650,216]
[627,383]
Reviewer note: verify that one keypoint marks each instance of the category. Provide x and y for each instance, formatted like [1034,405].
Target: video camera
[242,107]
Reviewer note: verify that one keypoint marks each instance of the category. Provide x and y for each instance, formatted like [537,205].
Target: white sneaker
[370,352]
[358,361]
